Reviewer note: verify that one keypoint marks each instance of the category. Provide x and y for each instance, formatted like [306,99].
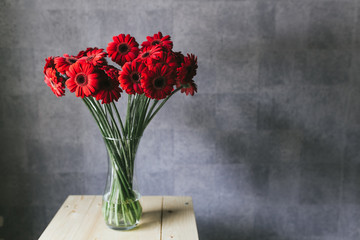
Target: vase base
[122,228]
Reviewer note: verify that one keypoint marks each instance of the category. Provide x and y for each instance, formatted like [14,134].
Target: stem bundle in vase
[150,75]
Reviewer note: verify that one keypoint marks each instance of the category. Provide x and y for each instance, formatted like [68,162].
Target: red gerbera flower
[187,70]
[94,56]
[109,86]
[111,71]
[131,76]
[54,82]
[185,75]
[188,88]
[158,83]
[83,53]
[123,49]
[49,63]
[62,64]
[149,54]
[179,58]
[158,39]
[83,79]
[165,58]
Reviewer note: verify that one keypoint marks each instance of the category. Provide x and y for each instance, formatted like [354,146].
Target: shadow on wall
[295,154]
[279,197]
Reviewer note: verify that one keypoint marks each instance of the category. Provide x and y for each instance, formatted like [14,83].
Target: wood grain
[80,218]
[178,220]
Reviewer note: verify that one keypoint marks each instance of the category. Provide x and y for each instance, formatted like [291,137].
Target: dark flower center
[106,84]
[145,55]
[159,82]
[135,76]
[155,42]
[71,60]
[123,48]
[80,79]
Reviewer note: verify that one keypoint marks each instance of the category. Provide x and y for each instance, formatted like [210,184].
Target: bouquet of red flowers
[150,75]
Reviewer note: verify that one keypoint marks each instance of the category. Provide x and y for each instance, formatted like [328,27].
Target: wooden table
[164,218]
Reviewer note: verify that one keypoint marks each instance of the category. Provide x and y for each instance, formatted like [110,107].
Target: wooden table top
[163,218]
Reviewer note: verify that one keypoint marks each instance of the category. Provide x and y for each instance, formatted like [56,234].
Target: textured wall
[268,148]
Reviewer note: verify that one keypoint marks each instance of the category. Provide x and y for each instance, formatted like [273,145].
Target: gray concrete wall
[268,148]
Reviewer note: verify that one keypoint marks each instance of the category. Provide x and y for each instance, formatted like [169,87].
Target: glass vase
[121,207]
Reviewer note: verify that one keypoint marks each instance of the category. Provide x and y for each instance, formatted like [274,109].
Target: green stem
[119,118]
[115,127]
[121,144]
[127,121]
[159,107]
[152,107]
